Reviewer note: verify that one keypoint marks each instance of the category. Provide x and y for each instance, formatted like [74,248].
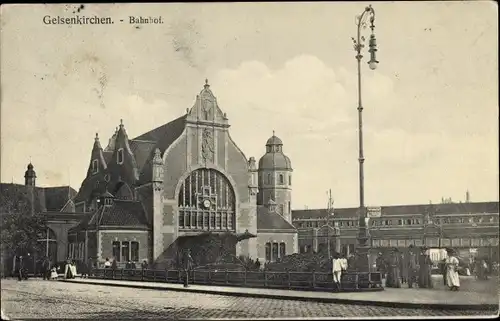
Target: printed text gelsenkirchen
[77,20]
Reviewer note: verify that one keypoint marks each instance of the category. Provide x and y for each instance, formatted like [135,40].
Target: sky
[430,117]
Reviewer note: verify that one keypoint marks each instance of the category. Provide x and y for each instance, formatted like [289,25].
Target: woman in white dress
[53,273]
[452,278]
[73,269]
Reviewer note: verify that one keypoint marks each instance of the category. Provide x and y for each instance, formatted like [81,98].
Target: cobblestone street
[52,300]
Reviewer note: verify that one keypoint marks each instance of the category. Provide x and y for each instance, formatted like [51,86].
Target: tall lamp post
[362,262]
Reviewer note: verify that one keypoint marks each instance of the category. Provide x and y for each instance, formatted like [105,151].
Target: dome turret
[30,176]
[274,157]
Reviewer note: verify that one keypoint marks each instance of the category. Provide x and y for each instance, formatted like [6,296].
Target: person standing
[380,265]
[46,268]
[443,270]
[425,267]
[188,262]
[412,267]
[404,263]
[393,273]
[452,264]
[336,271]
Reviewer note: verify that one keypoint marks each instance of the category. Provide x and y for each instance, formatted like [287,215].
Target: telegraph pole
[329,212]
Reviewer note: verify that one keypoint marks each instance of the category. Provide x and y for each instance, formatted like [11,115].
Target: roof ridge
[143,141]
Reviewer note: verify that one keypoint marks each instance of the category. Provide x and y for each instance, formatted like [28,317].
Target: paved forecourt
[403,297]
[37,299]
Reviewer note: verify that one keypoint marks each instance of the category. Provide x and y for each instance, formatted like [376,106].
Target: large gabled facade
[189,177]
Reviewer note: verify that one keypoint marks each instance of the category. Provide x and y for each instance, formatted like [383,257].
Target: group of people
[409,267]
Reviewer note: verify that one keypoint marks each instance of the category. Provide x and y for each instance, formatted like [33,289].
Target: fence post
[142,274]
[114,273]
[209,277]
[179,276]
[245,278]
[227,281]
[313,279]
[166,275]
[289,281]
[194,276]
[265,278]
[356,279]
[121,274]
[154,275]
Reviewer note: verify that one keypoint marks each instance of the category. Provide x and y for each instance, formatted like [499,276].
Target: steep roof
[141,150]
[163,137]
[123,213]
[269,220]
[44,198]
[398,210]
[126,214]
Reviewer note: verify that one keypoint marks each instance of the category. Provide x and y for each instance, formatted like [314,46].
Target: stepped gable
[272,221]
[161,137]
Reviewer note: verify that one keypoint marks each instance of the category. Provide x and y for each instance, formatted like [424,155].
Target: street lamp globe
[373,64]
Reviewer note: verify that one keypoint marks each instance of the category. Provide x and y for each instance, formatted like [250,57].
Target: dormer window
[269,178]
[119,156]
[95,166]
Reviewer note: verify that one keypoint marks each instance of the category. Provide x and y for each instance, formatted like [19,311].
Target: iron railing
[260,279]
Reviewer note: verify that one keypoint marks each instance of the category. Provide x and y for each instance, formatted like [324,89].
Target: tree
[21,228]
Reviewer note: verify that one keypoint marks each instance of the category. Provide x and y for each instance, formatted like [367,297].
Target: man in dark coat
[412,267]
[393,273]
[425,267]
[188,263]
[46,268]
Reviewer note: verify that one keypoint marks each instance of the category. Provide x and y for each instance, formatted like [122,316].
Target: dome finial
[121,122]
[206,83]
[96,136]
[273,132]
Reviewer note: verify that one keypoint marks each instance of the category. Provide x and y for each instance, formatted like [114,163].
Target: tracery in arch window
[206,201]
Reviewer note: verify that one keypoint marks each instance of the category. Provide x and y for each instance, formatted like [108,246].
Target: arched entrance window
[48,241]
[206,202]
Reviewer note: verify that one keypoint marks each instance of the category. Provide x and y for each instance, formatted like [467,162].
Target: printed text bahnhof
[95,20]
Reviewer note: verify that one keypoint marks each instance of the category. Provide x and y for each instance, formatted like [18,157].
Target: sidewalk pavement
[397,298]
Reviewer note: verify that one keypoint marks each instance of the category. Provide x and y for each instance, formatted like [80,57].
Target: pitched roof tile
[267,220]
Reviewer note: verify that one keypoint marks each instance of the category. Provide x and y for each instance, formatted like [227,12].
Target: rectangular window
[116,251]
[282,250]
[181,219]
[282,180]
[212,220]
[224,220]
[376,243]
[268,252]
[119,156]
[95,166]
[393,243]
[125,251]
[187,222]
[230,221]
[275,251]
[217,221]
[289,207]
[290,180]
[134,251]
[205,220]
